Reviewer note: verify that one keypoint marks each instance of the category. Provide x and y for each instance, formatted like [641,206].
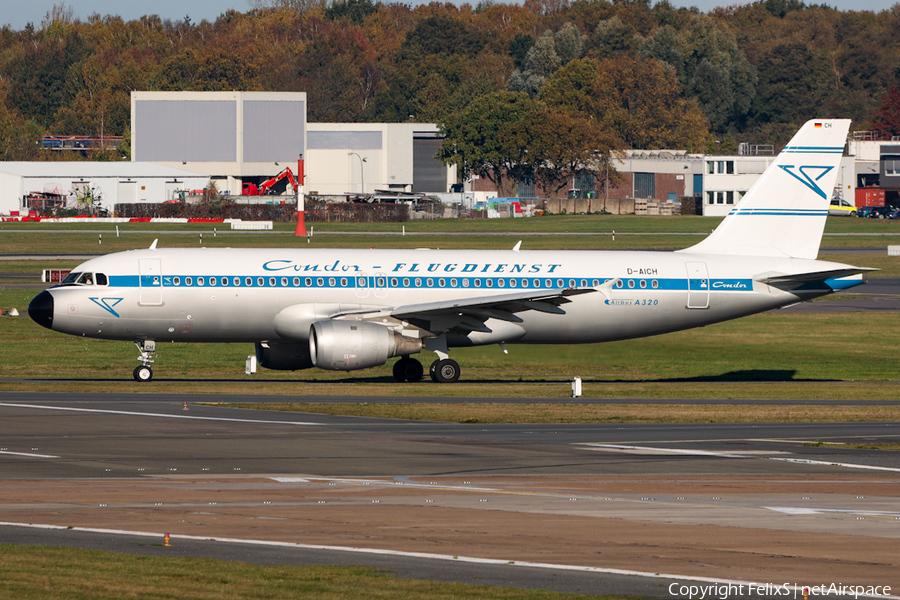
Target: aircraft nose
[41,309]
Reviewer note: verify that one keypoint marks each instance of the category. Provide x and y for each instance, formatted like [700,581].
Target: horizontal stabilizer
[815,276]
[835,279]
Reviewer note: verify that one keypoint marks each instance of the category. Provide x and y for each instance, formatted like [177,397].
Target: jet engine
[350,345]
[283,357]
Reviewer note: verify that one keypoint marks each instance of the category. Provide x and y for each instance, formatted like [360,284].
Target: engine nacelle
[283,357]
[350,345]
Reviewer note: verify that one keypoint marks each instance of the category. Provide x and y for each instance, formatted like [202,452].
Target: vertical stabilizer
[784,212]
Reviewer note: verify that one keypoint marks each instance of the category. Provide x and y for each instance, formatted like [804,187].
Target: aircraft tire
[143,373]
[408,369]
[444,371]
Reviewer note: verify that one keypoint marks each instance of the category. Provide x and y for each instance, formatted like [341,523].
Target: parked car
[842,208]
[874,212]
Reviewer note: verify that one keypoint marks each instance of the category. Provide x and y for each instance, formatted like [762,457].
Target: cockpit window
[80,278]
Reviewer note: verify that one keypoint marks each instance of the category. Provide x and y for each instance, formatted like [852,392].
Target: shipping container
[869,197]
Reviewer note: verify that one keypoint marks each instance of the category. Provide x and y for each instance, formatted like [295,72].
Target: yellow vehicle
[841,208]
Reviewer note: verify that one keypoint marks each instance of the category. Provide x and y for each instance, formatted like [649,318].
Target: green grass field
[42,573]
[585,232]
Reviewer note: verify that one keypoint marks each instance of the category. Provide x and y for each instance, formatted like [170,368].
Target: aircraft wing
[464,315]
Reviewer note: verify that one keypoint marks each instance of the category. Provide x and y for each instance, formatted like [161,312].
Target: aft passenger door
[698,285]
[150,277]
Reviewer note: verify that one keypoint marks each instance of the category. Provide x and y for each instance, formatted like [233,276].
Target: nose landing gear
[143,372]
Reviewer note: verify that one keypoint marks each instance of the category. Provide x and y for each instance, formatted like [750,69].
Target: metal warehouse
[240,138]
[37,185]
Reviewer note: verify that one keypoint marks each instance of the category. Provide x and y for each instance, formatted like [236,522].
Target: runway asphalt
[88,434]
[62,453]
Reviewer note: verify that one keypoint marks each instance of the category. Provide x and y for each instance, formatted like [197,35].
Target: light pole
[362,175]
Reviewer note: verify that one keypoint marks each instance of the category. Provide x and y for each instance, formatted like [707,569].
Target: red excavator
[265,188]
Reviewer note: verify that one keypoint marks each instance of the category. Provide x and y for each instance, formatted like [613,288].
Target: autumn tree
[213,70]
[565,144]
[635,100]
[611,38]
[441,66]
[887,117]
[547,54]
[39,71]
[710,68]
[490,138]
[339,73]
[352,10]
[19,137]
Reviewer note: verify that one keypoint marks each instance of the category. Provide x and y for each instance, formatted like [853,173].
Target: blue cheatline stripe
[813,149]
[474,284]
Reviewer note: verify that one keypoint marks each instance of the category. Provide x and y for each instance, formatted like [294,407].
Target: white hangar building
[248,137]
[109,182]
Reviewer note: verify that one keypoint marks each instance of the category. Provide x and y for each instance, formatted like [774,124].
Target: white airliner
[353,309]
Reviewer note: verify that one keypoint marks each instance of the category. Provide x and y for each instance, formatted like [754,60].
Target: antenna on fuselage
[153,245]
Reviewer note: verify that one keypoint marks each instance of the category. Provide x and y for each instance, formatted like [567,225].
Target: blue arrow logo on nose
[107,304]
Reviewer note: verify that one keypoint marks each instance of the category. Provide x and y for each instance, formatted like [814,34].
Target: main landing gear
[444,370]
[143,372]
[408,369]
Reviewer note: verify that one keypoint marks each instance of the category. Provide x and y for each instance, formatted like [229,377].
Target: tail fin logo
[808,175]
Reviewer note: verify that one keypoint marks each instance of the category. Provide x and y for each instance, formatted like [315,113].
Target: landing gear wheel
[444,371]
[408,369]
[143,373]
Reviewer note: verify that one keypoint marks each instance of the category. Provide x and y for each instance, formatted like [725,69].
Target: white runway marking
[806,461]
[792,510]
[160,415]
[738,454]
[654,450]
[425,555]
[27,454]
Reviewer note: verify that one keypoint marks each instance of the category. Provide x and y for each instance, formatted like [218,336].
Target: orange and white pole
[301,224]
